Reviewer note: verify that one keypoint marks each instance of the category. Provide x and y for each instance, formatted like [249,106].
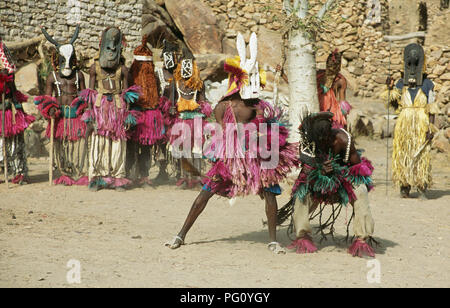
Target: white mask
[250,66]
[186,68]
[168,60]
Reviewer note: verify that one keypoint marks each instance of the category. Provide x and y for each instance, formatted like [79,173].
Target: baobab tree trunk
[301,60]
[303,97]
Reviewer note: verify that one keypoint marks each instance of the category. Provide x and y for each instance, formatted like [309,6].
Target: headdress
[244,75]
[142,72]
[67,58]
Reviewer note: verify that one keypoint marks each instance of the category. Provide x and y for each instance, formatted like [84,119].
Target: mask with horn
[333,67]
[67,60]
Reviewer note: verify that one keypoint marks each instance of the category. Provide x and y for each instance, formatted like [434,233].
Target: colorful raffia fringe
[336,187]
[15,124]
[64,180]
[110,120]
[360,248]
[303,245]
[239,168]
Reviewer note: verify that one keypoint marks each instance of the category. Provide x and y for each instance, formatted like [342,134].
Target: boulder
[359,124]
[211,66]
[158,24]
[441,144]
[26,79]
[201,36]
[270,44]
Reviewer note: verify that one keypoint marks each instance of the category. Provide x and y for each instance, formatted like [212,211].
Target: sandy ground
[118,238]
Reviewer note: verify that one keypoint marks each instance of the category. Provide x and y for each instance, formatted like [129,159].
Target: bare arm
[92,77]
[49,85]
[81,81]
[340,147]
[125,77]
[219,112]
[342,84]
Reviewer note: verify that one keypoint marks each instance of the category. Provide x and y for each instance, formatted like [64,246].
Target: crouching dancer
[239,166]
[332,173]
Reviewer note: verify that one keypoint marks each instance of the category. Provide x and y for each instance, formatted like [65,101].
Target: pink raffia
[68,129]
[364,168]
[64,180]
[360,248]
[345,107]
[150,129]
[205,108]
[83,181]
[109,119]
[242,174]
[45,103]
[18,179]
[20,97]
[17,125]
[303,245]
[116,182]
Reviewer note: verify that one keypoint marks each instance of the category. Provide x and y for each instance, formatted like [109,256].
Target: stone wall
[22,18]
[357,29]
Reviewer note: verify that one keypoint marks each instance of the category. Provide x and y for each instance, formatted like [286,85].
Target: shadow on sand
[262,237]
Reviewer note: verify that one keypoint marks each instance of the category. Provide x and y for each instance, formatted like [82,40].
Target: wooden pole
[50,167]
[5,159]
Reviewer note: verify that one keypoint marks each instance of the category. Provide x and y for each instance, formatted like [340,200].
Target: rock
[350,55]
[269,47]
[211,66]
[33,145]
[445,76]
[158,24]
[27,79]
[441,144]
[201,36]
[359,125]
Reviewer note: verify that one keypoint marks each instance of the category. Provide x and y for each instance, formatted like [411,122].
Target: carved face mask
[414,59]
[66,53]
[111,48]
[186,68]
[250,65]
[169,61]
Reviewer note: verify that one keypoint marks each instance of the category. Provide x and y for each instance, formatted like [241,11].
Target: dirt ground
[118,237]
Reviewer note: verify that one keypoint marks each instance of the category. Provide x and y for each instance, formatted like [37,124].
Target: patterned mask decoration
[186,68]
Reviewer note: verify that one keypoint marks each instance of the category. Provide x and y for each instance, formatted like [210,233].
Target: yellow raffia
[394,96]
[409,135]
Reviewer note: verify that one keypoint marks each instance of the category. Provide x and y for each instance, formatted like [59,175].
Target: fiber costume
[413,99]
[191,106]
[150,130]
[242,174]
[348,182]
[327,88]
[66,82]
[249,150]
[15,119]
[108,110]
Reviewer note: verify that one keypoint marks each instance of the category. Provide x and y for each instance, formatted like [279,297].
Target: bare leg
[271,212]
[197,208]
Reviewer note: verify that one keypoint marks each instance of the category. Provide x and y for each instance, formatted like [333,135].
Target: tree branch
[404,36]
[303,11]
[325,8]
[287,7]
